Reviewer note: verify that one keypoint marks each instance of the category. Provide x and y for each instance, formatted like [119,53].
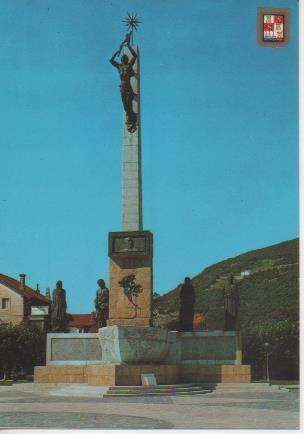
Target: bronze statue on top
[187,300]
[125,69]
[58,309]
[102,304]
[231,304]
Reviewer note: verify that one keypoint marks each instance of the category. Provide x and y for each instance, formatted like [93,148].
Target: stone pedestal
[130,252]
[120,355]
[127,344]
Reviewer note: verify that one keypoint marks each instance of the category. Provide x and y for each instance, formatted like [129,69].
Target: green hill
[269,295]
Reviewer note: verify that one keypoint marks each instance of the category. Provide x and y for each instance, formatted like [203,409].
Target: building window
[4,303]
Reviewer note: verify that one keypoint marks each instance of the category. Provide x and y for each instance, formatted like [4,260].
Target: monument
[130,250]
[128,348]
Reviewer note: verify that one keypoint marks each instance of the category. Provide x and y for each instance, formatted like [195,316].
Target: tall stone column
[131,250]
[132,181]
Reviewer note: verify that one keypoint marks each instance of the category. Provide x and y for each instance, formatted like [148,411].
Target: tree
[8,349]
[283,339]
[22,347]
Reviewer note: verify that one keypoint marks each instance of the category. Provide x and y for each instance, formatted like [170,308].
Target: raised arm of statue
[113,61]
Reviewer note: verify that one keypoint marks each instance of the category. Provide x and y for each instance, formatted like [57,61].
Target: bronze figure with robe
[231,304]
[187,300]
[58,309]
[102,304]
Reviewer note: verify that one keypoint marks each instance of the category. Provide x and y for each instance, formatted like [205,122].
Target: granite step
[159,390]
[158,386]
[187,393]
[155,391]
[244,387]
[79,390]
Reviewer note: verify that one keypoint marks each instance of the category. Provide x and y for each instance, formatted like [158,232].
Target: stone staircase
[83,390]
[189,389]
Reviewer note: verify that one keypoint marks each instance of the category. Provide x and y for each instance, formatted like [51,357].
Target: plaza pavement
[35,406]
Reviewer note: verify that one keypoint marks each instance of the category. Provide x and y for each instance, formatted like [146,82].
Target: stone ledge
[140,322]
[130,375]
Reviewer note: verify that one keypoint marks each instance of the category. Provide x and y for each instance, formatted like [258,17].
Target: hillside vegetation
[269,301]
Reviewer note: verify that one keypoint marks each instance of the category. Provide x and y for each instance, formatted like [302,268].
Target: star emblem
[131,21]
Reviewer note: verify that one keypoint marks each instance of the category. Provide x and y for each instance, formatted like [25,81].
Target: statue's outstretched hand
[128,38]
[126,41]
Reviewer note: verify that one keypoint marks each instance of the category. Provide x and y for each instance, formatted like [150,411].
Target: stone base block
[131,344]
[101,375]
[130,375]
[138,322]
[131,253]
[73,349]
[60,374]
[215,373]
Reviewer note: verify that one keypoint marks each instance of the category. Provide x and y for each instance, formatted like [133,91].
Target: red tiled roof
[26,291]
[81,320]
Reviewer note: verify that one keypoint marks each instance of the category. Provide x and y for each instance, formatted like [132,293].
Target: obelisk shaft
[132,179]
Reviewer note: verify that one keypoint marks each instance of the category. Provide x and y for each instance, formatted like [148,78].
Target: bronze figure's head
[101,283]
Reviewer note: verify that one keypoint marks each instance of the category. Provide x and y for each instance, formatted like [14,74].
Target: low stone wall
[73,349]
[144,344]
[214,347]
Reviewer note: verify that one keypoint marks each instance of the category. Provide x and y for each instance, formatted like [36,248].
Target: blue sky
[219,135]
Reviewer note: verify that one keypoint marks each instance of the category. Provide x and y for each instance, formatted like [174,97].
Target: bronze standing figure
[125,69]
[58,309]
[187,300]
[231,304]
[102,304]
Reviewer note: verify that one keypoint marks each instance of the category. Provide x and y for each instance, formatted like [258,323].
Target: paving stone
[31,406]
[138,399]
[75,420]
